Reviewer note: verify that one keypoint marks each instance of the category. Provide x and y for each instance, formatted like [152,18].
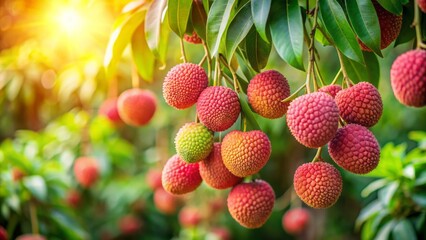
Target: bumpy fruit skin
[331,89]
[313,119]
[129,224]
[194,38]
[250,204]
[153,179]
[184,84]
[180,177]
[214,172]
[422,5]
[245,153]
[408,78]
[31,237]
[165,202]
[3,234]
[390,26]
[318,184]
[189,217]
[355,149]
[109,109]
[136,106]
[86,171]
[194,142]
[218,108]
[73,198]
[360,104]
[265,93]
[295,220]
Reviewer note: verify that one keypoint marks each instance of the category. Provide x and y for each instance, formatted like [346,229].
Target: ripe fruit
[355,149]
[218,108]
[165,202]
[194,142]
[214,172]
[153,179]
[73,198]
[313,119]
[109,109]
[390,26]
[318,184]
[250,204]
[136,106]
[222,233]
[408,78]
[3,234]
[31,237]
[129,224]
[189,217]
[183,84]
[194,38]
[179,177]
[245,153]
[17,174]
[422,5]
[331,89]
[86,171]
[295,220]
[265,93]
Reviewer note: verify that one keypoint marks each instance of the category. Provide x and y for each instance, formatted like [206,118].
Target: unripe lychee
[214,172]
[318,184]
[136,106]
[408,78]
[390,26]
[250,204]
[194,38]
[331,89]
[109,109]
[189,217]
[360,104]
[183,84]
[265,93]
[355,149]
[31,237]
[86,171]
[165,202]
[245,153]
[422,5]
[313,119]
[295,220]
[73,198]
[180,177]
[3,234]
[194,142]
[17,174]
[218,108]
[129,224]
[153,179]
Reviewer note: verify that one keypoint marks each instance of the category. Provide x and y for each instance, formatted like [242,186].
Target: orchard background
[61,60]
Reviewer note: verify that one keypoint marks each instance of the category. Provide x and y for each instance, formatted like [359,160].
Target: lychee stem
[336,77]
[284,200]
[135,77]
[416,24]
[216,72]
[346,78]
[33,217]
[311,51]
[209,61]
[294,95]
[317,157]
[182,50]
[202,60]
[318,72]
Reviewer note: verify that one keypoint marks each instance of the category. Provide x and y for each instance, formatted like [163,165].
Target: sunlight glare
[70,20]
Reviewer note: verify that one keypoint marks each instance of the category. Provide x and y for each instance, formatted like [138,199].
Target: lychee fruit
[3,234]
[153,179]
[165,202]
[265,93]
[422,5]
[136,106]
[295,220]
[73,198]
[360,104]
[194,142]
[214,172]
[194,38]
[250,204]
[129,224]
[355,149]
[17,174]
[109,109]
[180,177]
[218,108]
[313,119]
[318,184]
[184,84]
[331,89]
[31,237]
[408,78]
[390,26]
[189,217]
[222,233]
[245,153]
[86,171]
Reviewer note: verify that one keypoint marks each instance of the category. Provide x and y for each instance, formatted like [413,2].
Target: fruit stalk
[34,220]
[312,51]
[416,24]
[135,77]
[182,50]
[209,61]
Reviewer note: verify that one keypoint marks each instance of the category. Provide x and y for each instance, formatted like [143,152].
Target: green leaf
[390,164]
[156,32]
[420,199]
[37,187]
[365,23]
[258,50]
[217,21]
[404,230]
[178,12]
[244,65]
[367,212]
[339,29]
[68,226]
[386,194]
[286,27]
[421,180]
[260,12]
[199,19]
[238,30]
[407,32]
[374,186]
[370,72]
[393,6]
[248,113]
[385,231]
[142,56]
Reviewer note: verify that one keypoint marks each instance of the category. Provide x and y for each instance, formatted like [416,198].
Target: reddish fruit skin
[221,233]
[179,177]
[355,149]
[129,224]
[295,220]
[189,217]
[214,172]
[422,5]
[3,234]
[86,171]
[331,89]
[250,204]
[73,198]
[136,106]
[318,184]
[265,93]
[165,202]
[31,237]
[194,38]
[17,174]
[245,153]
[218,108]
[408,78]
[360,104]
[184,84]
[109,109]
[313,119]
[153,179]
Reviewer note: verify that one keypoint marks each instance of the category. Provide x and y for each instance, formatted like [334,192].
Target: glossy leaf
[142,56]
[393,6]
[260,12]
[370,72]
[37,186]
[367,212]
[385,231]
[251,123]
[199,19]
[407,32]
[238,30]
[154,29]
[404,230]
[258,50]
[179,12]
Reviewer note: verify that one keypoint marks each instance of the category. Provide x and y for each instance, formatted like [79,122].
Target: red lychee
[129,224]
[86,171]
[184,84]
[318,184]
[265,93]
[408,78]
[31,237]
[222,233]
[153,179]
[189,217]
[194,38]
[295,220]
[3,234]
[109,109]
[331,89]
[180,177]
[73,198]
[313,119]
[250,204]
[136,106]
[165,202]
[422,5]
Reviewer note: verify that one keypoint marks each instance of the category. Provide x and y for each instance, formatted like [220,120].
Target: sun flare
[69,20]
